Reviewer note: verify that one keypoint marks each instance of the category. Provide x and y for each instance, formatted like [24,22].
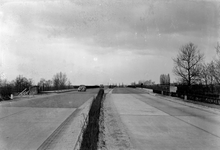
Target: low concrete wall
[58,91]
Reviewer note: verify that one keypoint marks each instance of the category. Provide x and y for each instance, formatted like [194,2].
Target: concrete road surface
[30,124]
[155,123]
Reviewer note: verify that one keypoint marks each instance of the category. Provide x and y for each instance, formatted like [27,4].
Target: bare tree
[164,79]
[216,65]
[21,83]
[59,80]
[45,84]
[187,65]
[6,89]
[207,73]
[211,71]
[48,83]
[41,82]
[69,84]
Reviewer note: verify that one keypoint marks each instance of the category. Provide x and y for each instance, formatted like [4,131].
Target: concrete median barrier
[69,134]
[58,91]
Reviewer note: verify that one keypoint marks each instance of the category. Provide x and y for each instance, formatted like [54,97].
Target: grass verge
[91,133]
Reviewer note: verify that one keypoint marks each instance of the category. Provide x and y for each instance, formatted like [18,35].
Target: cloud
[125,25]
[58,33]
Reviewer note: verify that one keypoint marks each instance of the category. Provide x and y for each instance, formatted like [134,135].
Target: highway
[148,122]
[44,121]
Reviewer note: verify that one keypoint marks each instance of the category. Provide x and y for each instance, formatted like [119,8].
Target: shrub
[6,91]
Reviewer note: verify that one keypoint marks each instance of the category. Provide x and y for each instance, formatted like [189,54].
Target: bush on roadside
[6,91]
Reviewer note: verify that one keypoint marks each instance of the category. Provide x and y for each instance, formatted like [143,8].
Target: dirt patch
[113,135]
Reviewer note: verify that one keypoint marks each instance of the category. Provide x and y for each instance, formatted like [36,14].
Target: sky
[100,41]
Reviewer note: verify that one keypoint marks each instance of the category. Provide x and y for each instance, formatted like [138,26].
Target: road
[37,122]
[149,122]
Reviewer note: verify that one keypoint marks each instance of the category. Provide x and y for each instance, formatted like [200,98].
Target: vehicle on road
[101,86]
[82,88]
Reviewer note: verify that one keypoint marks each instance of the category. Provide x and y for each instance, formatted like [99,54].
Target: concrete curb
[58,91]
[69,134]
[85,108]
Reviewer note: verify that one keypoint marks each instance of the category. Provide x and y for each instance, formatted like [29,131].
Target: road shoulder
[67,135]
[114,136]
[205,106]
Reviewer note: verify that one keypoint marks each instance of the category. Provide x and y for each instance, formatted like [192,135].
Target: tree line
[190,68]
[192,72]
[59,81]
[164,79]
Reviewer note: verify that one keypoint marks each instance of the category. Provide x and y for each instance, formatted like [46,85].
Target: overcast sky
[100,41]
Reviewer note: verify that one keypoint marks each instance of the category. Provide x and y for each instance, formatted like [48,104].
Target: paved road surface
[154,123]
[28,123]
